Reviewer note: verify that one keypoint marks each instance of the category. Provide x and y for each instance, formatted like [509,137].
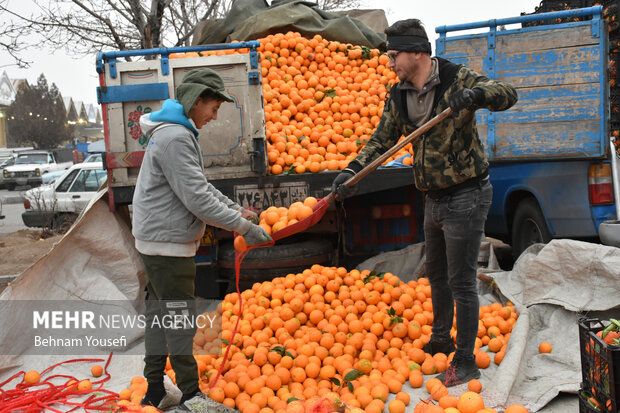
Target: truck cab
[30,166]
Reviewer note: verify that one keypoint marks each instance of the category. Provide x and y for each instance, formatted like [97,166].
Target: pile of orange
[323,100]
[494,327]
[299,332]
[274,219]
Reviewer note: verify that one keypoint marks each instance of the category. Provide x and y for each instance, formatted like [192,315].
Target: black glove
[339,188]
[466,99]
[256,235]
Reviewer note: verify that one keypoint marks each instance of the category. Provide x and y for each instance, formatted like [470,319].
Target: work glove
[256,235]
[339,188]
[466,99]
[249,214]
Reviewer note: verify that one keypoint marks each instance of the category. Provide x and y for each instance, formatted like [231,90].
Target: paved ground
[12,218]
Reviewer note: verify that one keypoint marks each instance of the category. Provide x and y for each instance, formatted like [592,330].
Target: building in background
[86,117]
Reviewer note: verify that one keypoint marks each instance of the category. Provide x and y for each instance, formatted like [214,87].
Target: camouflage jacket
[451,152]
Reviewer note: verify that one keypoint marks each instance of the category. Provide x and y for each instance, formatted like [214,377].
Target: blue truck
[550,154]
[553,161]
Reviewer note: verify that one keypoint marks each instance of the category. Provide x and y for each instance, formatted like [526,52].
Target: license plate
[262,198]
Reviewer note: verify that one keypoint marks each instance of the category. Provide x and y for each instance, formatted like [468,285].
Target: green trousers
[170,293]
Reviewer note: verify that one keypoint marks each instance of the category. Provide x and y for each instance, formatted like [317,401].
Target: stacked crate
[600,370]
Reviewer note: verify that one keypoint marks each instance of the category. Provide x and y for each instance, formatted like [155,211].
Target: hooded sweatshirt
[172,200]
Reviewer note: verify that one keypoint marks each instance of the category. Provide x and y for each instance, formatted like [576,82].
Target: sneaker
[189,396]
[459,371]
[155,392]
[434,347]
[190,402]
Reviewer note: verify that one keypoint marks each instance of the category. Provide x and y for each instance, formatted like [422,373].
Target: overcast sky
[77,77]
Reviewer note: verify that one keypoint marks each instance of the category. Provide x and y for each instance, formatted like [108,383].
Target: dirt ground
[19,250]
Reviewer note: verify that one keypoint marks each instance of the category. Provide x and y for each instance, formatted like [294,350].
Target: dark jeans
[453,229]
[170,291]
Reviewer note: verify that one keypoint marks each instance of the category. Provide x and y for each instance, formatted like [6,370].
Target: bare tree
[83,27]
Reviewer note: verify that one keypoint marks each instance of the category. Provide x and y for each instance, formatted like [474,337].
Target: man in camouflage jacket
[451,168]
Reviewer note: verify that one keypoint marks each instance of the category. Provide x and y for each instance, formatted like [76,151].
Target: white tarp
[95,261]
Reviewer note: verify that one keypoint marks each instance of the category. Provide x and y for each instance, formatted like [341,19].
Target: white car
[58,204]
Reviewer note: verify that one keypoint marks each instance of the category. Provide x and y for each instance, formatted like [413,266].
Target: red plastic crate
[600,366]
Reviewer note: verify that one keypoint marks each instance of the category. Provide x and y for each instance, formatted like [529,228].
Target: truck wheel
[263,264]
[528,227]
[10,187]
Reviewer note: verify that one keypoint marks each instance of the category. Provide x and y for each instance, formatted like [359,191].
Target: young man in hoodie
[450,167]
[172,203]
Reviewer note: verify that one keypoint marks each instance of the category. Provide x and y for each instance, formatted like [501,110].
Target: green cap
[195,82]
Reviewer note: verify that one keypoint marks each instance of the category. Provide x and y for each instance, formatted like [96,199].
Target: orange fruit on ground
[124,394]
[396,406]
[32,377]
[499,357]
[404,397]
[96,370]
[474,385]
[85,385]
[364,365]
[448,401]
[217,394]
[428,366]
[431,383]
[240,244]
[516,408]
[416,379]
[231,389]
[483,360]
[439,391]
[495,344]
[544,347]
[470,402]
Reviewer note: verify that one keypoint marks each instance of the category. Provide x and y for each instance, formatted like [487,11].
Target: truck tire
[10,187]
[263,264]
[528,227]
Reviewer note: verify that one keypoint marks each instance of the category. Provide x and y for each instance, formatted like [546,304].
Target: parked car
[94,157]
[30,165]
[58,205]
[50,177]
[10,161]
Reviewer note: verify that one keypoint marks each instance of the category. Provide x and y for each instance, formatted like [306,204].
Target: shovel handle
[394,149]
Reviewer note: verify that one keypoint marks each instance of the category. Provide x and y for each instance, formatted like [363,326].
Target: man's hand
[256,235]
[339,188]
[466,99]
[249,214]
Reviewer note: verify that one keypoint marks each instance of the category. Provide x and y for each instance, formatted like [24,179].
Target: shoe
[187,397]
[460,370]
[155,392]
[434,347]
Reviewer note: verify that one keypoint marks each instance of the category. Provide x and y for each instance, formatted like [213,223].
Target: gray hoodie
[173,201]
